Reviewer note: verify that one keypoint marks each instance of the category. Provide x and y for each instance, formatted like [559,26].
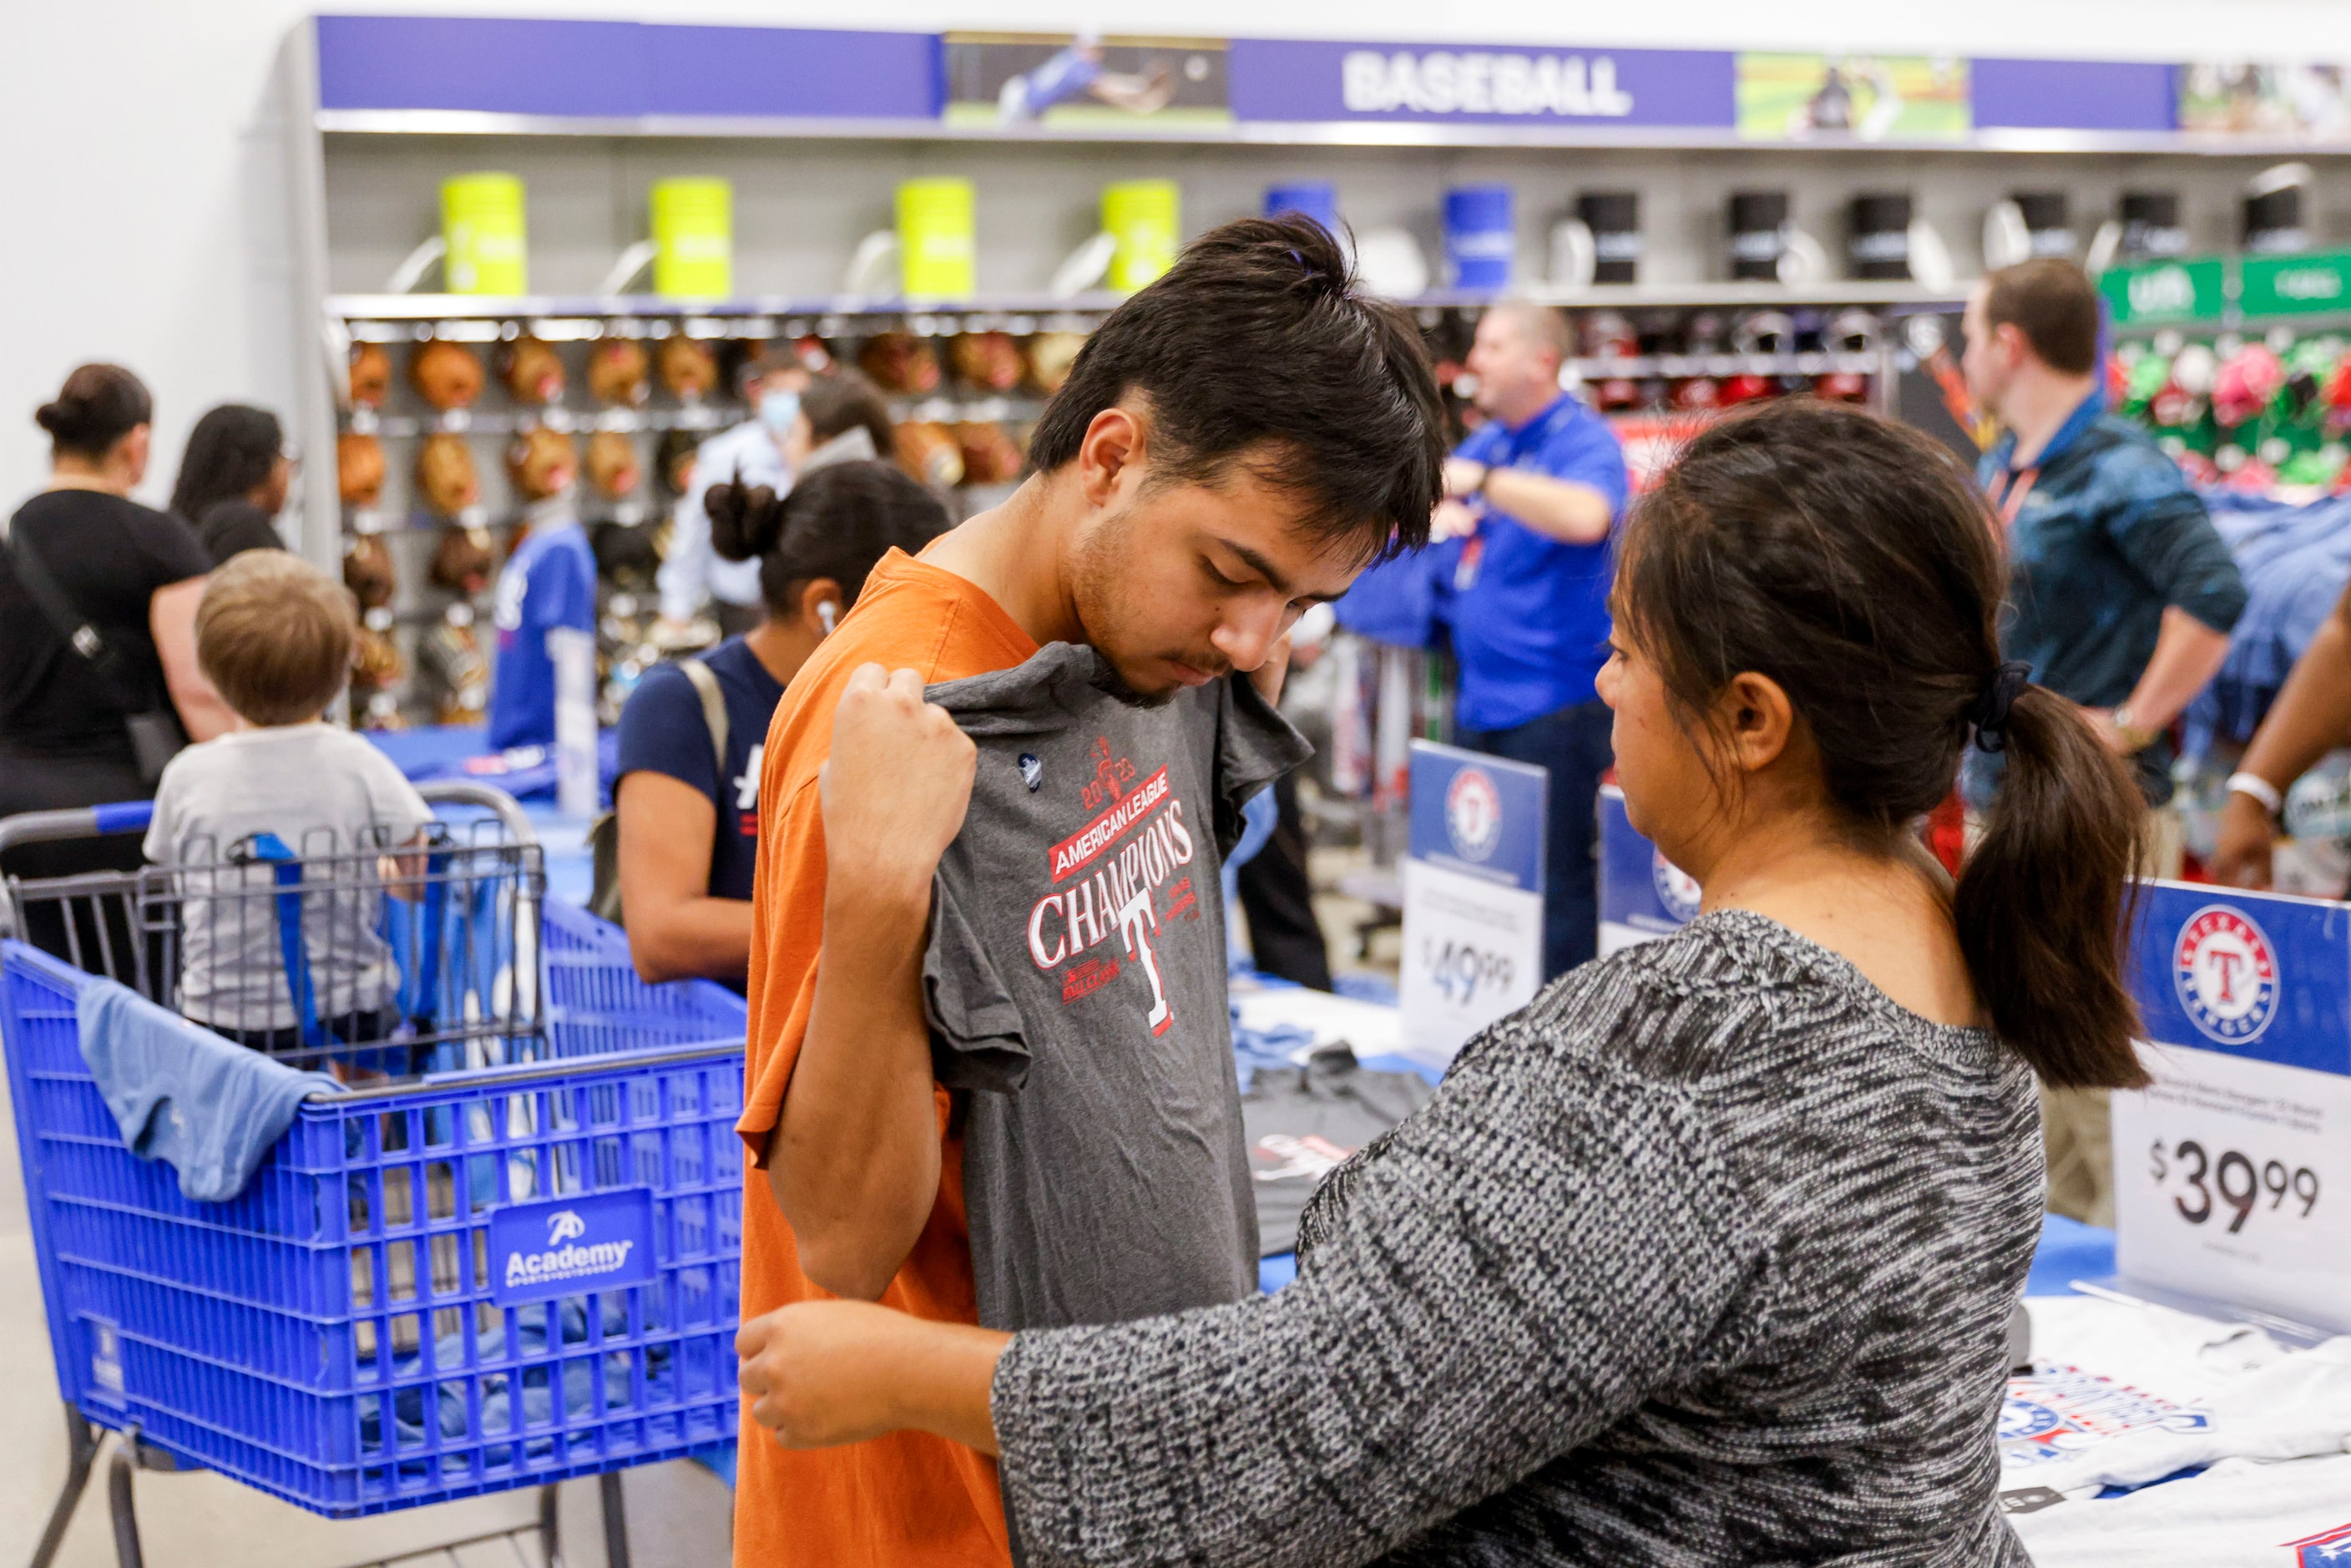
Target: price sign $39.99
[2230,1187]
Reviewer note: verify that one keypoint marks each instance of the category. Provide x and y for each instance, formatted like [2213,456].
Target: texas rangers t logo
[2226,974]
[1473,814]
[1677,891]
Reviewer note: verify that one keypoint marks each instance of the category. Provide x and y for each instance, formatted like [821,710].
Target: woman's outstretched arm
[1523,1262]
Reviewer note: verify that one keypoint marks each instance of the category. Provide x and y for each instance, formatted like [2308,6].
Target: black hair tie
[1990,715]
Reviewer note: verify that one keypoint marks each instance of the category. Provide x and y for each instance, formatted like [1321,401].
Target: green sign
[2161,291]
[2297,285]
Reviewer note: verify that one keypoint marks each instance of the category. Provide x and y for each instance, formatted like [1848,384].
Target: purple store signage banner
[1297,80]
[625,70]
[2074,95]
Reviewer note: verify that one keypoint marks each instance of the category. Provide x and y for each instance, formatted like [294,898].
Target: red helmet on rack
[1698,393]
[1616,392]
[2248,379]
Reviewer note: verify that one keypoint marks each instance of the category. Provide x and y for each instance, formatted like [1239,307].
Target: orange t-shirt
[908,1501]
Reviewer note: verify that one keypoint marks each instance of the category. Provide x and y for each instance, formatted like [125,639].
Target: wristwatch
[2135,739]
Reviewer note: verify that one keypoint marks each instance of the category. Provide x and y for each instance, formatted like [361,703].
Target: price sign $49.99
[1464,973]
[2230,1187]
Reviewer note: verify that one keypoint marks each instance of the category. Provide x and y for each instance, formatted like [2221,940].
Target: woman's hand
[897,785]
[810,1369]
[2241,858]
[821,1374]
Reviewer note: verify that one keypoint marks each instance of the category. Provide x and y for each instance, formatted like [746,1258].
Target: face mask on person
[778,409]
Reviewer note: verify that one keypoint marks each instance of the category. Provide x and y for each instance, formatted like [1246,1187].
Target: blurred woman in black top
[134,576]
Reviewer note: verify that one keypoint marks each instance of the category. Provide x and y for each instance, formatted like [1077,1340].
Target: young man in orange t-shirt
[1234,444]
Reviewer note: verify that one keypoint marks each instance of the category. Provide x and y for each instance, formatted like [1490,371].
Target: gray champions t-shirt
[1075,981]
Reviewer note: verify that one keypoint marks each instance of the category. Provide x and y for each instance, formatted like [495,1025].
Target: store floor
[678,1513]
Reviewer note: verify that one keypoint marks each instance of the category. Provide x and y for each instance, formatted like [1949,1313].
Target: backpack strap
[604,833]
[714,710]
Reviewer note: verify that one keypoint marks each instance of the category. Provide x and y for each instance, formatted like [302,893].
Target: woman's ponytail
[747,521]
[2044,898]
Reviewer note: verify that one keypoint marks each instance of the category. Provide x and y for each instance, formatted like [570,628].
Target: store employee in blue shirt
[1532,497]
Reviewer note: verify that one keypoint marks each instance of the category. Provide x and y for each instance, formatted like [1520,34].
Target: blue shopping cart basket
[470,1280]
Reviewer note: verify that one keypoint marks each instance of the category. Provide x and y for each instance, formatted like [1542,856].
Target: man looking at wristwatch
[1530,498]
[2121,595]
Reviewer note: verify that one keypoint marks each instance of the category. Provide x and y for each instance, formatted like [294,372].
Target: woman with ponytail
[686,801]
[1706,1256]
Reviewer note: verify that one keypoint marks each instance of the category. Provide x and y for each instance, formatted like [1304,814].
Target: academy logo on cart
[2329,1549]
[2225,971]
[591,1241]
[1473,814]
[1677,889]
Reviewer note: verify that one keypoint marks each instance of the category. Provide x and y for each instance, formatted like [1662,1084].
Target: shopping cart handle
[75,822]
[123,816]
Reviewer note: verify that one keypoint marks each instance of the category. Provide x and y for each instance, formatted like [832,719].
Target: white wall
[141,170]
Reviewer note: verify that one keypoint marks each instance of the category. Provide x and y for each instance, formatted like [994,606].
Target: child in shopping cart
[281,830]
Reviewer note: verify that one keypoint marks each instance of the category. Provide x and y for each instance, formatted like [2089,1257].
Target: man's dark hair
[1258,347]
[2053,304]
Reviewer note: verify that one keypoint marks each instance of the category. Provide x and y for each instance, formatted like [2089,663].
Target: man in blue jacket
[2121,595]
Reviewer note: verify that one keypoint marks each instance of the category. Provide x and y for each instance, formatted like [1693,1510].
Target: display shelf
[711,416]
[1675,367]
[1297,133]
[403,316]
[395,318]
[717,415]
[2240,323]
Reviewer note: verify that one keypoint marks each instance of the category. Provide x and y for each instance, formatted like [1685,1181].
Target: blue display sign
[2252,975]
[587,1241]
[625,70]
[1477,814]
[1639,888]
[2073,95]
[1301,80]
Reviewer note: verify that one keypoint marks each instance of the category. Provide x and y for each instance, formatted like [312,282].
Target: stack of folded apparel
[1301,1122]
[2122,1396]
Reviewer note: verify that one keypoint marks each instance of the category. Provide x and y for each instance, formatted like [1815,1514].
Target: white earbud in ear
[824,614]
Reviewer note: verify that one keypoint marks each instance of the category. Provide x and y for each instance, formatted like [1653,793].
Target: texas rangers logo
[564,1226]
[1473,814]
[2226,974]
[1677,889]
[2329,1549]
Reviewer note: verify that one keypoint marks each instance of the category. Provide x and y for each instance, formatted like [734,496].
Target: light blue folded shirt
[181,1093]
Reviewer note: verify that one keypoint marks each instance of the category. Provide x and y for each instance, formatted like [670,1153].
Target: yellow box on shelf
[693,226]
[482,225]
[936,239]
[1144,216]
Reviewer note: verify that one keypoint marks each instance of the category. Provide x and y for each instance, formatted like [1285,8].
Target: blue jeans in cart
[1573,743]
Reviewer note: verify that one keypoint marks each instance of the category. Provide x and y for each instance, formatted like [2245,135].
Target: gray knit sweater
[1706,1257]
